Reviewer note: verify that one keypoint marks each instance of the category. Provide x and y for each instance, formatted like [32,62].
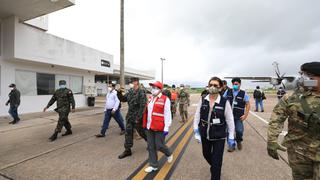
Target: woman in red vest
[157,120]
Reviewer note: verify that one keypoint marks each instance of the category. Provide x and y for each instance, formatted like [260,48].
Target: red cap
[157,84]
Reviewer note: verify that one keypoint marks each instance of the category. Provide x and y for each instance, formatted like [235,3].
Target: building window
[26,82]
[45,84]
[76,84]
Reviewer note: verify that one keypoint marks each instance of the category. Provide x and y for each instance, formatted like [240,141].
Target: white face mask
[155,91]
[109,89]
[307,82]
[11,88]
[62,86]
[131,85]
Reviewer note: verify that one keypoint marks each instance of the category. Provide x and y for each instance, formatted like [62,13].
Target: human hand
[231,143]
[272,148]
[243,117]
[197,136]
[45,109]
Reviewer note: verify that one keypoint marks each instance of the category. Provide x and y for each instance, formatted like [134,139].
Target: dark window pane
[45,84]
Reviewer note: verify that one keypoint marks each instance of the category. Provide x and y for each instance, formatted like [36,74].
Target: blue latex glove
[165,133]
[231,143]
[197,135]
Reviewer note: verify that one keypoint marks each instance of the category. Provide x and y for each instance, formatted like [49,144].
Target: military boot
[68,132]
[126,153]
[54,136]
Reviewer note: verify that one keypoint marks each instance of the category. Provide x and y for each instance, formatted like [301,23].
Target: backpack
[257,94]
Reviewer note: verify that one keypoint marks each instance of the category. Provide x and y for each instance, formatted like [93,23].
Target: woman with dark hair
[212,120]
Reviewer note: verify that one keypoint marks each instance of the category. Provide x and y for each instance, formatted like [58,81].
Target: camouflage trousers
[183,109]
[63,122]
[130,126]
[173,107]
[303,167]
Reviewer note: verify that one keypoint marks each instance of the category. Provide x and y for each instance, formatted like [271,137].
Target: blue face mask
[235,87]
[62,86]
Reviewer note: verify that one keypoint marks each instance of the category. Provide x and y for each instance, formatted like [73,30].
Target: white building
[35,60]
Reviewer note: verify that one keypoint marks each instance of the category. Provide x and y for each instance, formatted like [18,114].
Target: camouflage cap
[181,85]
[311,67]
[62,82]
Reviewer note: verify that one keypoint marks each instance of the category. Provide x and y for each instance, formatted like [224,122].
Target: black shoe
[100,135]
[53,137]
[126,153]
[262,111]
[239,145]
[68,132]
[122,132]
[231,149]
[12,122]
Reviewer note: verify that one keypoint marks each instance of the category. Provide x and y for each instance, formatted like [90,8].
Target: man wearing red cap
[157,120]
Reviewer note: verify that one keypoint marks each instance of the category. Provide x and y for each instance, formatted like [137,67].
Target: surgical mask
[109,89]
[131,85]
[11,88]
[235,87]
[307,82]
[62,86]
[155,91]
[213,90]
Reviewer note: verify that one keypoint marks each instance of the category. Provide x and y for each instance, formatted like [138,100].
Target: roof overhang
[29,9]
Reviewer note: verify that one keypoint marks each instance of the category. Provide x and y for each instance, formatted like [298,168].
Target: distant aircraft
[288,82]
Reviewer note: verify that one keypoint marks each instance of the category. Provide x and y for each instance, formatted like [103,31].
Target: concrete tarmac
[25,152]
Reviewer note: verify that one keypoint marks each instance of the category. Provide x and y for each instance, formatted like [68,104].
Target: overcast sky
[199,38]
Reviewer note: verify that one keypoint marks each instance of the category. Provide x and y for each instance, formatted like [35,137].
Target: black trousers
[213,152]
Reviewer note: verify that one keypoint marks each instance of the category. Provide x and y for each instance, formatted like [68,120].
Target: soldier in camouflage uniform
[64,98]
[137,101]
[302,109]
[184,102]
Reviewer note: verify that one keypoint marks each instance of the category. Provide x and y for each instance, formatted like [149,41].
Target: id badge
[235,103]
[215,121]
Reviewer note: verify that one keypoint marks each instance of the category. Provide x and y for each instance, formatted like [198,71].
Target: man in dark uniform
[137,101]
[64,98]
[14,101]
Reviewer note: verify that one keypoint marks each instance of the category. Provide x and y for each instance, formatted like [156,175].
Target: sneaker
[262,111]
[12,122]
[150,169]
[170,158]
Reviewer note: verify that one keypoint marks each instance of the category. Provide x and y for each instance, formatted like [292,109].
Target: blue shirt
[235,93]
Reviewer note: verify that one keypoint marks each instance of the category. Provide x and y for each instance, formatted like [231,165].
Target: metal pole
[162,59]
[122,80]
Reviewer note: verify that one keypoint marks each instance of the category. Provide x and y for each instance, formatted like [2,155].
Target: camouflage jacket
[137,101]
[64,98]
[183,97]
[303,130]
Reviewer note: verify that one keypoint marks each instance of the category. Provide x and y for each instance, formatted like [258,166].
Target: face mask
[62,86]
[11,88]
[235,87]
[131,85]
[155,91]
[213,90]
[307,82]
[109,89]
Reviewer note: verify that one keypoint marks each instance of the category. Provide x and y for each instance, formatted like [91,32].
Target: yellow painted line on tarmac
[142,174]
[167,167]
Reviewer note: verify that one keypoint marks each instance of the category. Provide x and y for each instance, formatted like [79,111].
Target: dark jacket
[14,98]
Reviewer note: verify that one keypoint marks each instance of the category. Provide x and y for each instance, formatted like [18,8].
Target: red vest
[157,123]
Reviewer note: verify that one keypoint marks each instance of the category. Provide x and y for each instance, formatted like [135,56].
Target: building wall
[37,102]
[34,45]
